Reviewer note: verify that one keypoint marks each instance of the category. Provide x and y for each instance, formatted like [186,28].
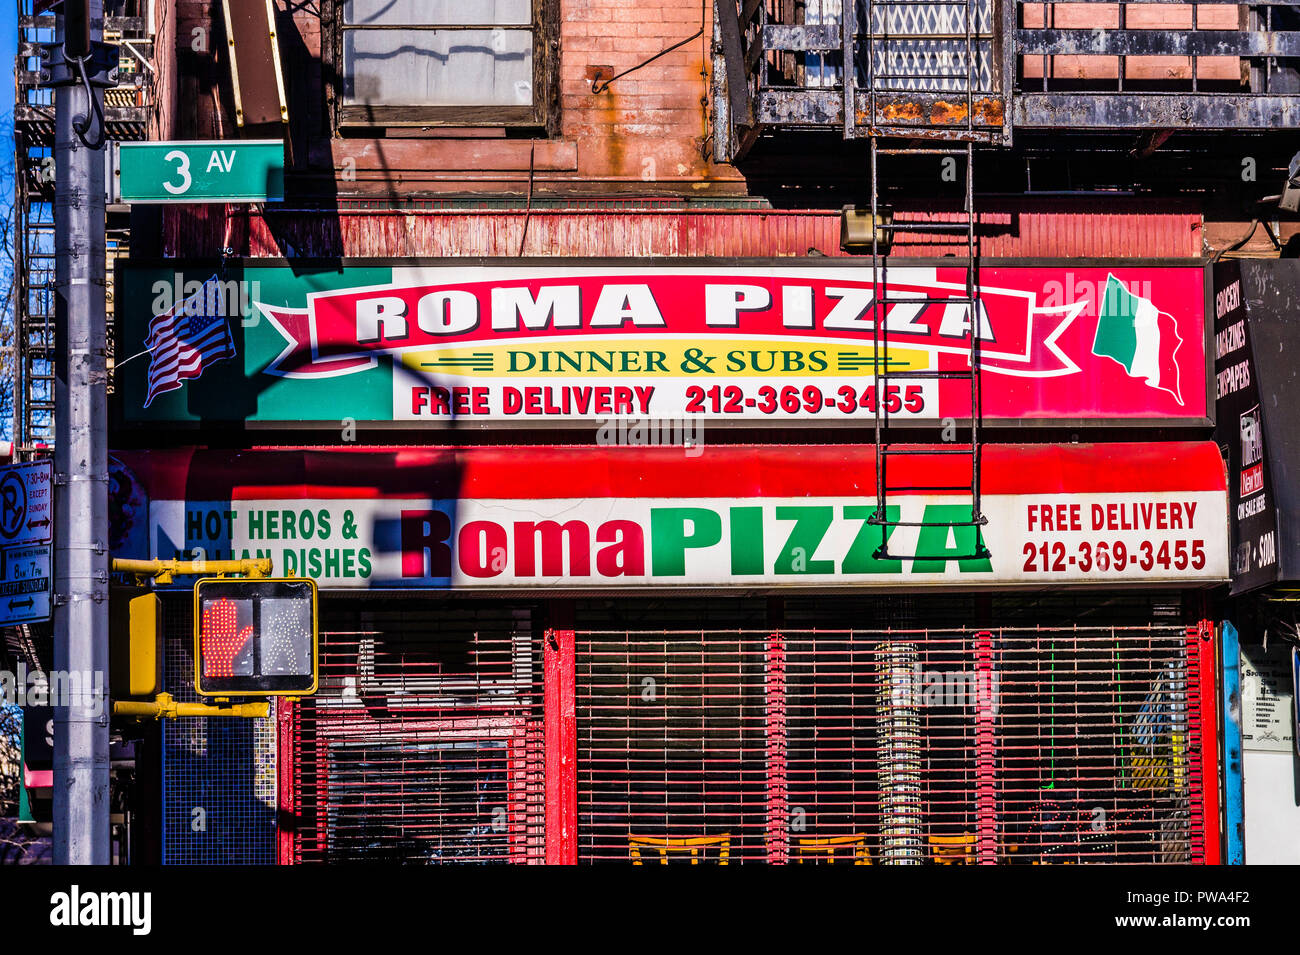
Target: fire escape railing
[1083,65]
[914,82]
[1164,64]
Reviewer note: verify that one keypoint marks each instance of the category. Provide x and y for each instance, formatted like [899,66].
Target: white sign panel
[617,542]
[26,503]
[1267,723]
[25,584]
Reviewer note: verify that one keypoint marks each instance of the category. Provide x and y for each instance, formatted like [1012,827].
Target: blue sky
[8,50]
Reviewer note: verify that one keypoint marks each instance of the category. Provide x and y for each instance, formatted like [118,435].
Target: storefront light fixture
[860,230]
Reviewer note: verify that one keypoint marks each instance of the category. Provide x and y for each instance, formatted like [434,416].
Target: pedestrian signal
[255,636]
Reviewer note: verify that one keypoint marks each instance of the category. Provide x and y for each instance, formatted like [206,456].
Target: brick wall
[651,125]
[646,134]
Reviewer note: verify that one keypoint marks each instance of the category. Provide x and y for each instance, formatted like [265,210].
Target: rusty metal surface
[905,109]
[819,108]
[1039,228]
[796,78]
[1154,111]
[1113,42]
[802,107]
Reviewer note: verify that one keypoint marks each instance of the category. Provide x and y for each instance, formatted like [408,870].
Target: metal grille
[672,745]
[905,746]
[219,774]
[924,45]
[424,742]
[907,45]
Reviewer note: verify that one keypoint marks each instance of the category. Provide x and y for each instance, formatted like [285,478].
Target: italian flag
[1143,339]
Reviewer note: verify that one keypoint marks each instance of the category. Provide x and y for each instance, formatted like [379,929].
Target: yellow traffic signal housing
[255,636]
[135,654]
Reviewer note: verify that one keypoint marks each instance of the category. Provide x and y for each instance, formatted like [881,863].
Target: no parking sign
[26,522]
[26,503]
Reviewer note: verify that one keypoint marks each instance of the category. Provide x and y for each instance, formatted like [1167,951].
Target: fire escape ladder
[956,30]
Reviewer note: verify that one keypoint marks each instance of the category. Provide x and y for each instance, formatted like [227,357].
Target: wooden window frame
[539,116]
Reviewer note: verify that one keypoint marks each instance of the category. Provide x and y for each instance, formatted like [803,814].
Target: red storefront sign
[567,342]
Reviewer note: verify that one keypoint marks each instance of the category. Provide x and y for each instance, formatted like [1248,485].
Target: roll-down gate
[1021,746]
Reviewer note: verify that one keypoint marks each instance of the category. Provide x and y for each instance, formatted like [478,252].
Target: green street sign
[218,170]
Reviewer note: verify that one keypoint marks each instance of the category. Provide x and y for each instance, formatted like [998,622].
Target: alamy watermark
[82,690]
[232,298]
[89,909]
[685,433]
[1092,293]
[923,686]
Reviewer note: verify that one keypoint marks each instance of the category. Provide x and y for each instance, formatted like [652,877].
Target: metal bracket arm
[101,66]
[163,570]
[165,707]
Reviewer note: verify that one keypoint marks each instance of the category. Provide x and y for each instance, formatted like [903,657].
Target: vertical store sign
[1253,554]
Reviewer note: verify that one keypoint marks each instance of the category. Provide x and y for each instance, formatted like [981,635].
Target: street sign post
[25,584]
[26,503]
[240,170]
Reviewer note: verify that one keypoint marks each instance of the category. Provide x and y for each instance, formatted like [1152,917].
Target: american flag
[187,338]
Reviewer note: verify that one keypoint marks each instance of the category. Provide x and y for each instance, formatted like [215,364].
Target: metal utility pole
[77,68]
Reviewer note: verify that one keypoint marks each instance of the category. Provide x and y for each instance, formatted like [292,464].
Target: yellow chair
[953,850]
[695,847]
[829,849]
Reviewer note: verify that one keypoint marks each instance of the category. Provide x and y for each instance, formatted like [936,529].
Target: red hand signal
[222,638]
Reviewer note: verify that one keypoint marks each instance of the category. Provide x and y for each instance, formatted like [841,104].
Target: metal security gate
[423,744]
[445,733]
[1026,746]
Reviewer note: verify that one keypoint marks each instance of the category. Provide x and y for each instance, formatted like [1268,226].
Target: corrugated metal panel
[1115,228]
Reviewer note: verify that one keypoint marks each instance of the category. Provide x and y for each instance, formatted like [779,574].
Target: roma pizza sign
[488,519]
[561,343]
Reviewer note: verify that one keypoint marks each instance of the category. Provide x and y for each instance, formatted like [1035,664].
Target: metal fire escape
[936,78]
[128,110]
[943,47]
[1078,66]
[33,351]
[916,78]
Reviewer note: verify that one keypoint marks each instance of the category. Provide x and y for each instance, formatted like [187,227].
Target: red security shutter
[428,743]
[1009,745]
[424,742]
